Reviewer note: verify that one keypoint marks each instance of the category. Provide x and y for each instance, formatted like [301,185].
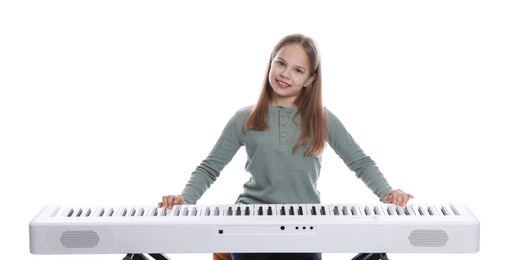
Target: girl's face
[289,73]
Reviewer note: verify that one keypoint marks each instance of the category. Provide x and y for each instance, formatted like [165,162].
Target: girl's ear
[310,80]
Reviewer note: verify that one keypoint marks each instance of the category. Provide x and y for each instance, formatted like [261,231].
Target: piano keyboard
[330,228]
[260,210]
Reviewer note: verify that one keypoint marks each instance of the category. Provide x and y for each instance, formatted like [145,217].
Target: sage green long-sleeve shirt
[279,175]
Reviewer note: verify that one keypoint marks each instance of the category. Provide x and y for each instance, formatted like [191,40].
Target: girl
[284,135]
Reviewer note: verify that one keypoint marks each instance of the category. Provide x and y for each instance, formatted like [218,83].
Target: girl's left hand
[398,197]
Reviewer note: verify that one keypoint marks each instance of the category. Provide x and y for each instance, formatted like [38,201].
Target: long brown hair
[309,101]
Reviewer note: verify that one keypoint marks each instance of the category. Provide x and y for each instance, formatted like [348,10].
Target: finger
[400,198]
[409,196]
[389,198]
[170,201]
[159,204]
[392,198]
[166,203]
[405,199]
[163,203]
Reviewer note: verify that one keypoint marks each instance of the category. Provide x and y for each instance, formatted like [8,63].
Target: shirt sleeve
[209,169]
[354,157]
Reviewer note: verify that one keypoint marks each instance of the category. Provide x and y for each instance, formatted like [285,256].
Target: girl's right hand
[170,200]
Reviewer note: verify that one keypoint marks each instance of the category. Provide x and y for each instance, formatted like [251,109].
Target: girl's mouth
[282,84]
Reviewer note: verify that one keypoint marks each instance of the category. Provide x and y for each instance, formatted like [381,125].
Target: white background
[116,102]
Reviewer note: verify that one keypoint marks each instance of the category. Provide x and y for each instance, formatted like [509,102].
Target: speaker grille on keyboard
[79,239]
[428,238]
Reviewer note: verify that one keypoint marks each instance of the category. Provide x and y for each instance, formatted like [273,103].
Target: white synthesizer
[328,228]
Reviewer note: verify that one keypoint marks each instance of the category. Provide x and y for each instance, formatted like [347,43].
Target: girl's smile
[282,84]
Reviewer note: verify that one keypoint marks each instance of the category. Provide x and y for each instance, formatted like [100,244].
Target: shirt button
[283,123]
[283,115]
[283,134]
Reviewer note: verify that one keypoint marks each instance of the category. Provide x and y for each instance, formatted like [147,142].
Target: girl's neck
[282,103]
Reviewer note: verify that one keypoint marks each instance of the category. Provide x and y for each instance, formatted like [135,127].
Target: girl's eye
[280,63]
[299,71]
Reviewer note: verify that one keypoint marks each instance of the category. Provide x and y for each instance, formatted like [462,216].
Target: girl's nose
[285,73]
